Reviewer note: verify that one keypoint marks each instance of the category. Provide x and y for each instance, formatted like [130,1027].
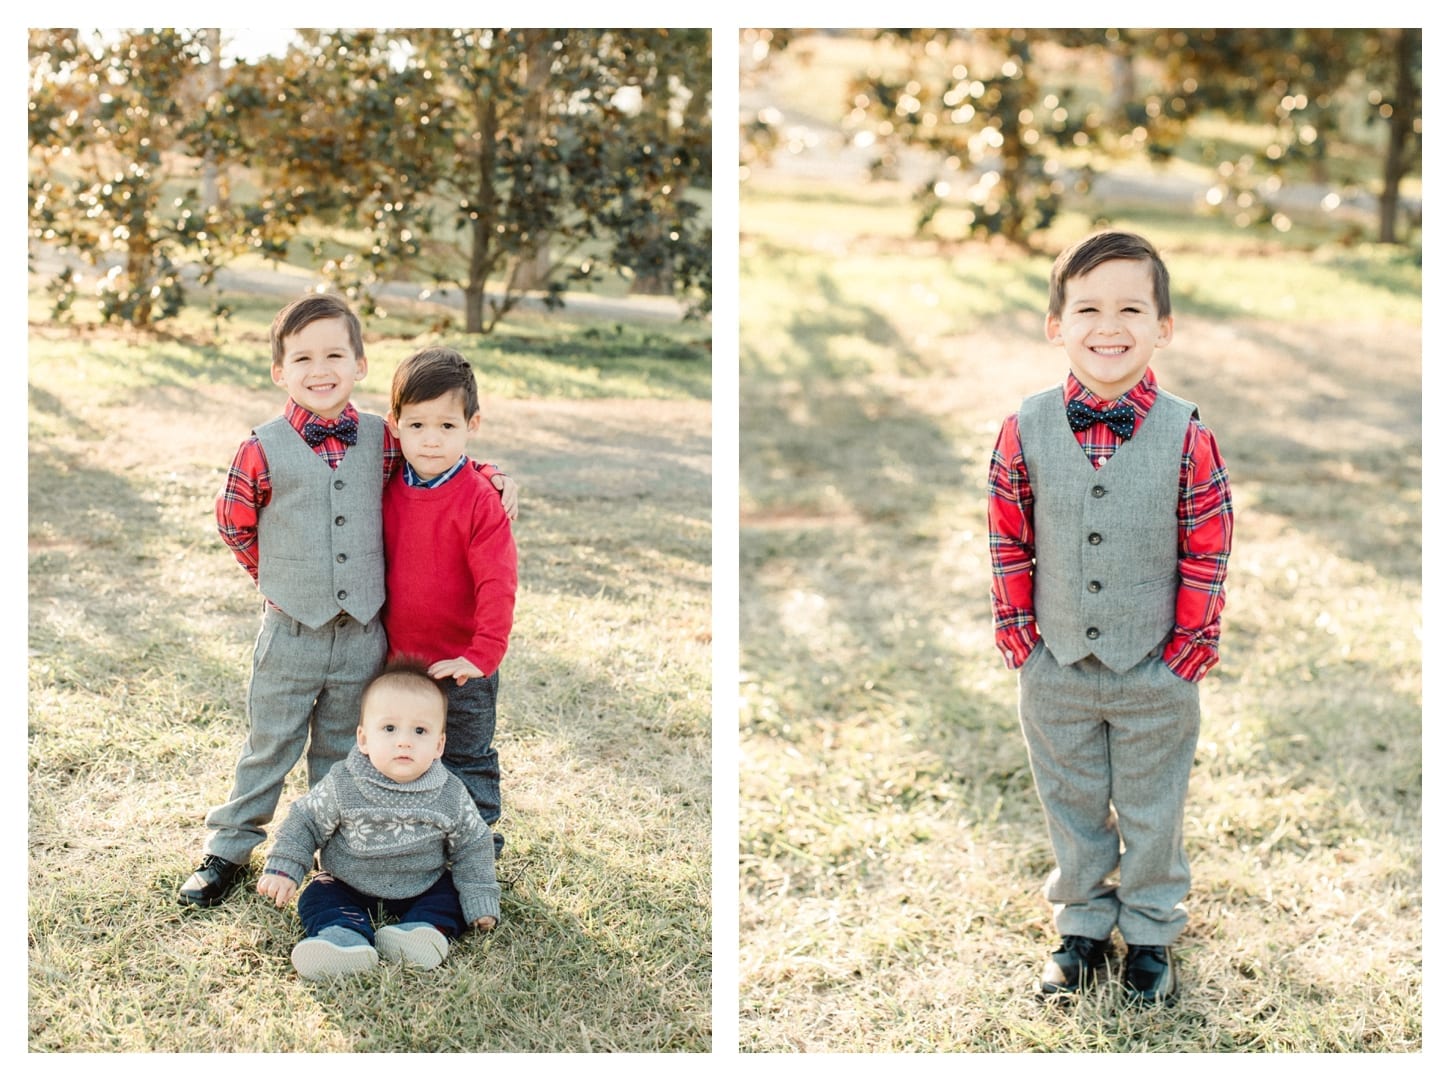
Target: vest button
[339,520]
[1099,491]
[1095,538]
[1095,587]
[1092,632]
[338,485]
[342,594]
[342,557]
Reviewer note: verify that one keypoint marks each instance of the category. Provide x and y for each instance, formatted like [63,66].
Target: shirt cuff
[1017,643]
[295,872]
[1189,659]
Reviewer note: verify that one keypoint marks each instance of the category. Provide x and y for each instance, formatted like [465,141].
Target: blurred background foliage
[1006,125]
[500,162]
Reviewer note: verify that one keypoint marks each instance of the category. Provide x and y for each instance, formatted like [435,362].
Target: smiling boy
[452,565]
[1110,524]
[301,510]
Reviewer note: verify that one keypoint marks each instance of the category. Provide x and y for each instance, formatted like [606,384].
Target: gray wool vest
[320,536]
[1106,575]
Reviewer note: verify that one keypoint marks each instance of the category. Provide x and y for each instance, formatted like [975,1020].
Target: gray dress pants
[1110,755]
[305,684]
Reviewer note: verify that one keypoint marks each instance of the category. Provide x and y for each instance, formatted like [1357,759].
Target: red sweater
[452,571]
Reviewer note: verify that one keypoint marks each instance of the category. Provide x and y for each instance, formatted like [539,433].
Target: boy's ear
[392,423]
[1165,331]
[362,737]
[362,365]
[1052,326]
[475,421]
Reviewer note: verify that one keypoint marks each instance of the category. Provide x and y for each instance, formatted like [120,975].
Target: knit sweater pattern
[391,839]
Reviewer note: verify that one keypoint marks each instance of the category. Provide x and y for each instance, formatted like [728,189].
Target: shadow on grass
[851,494]
[1333,449]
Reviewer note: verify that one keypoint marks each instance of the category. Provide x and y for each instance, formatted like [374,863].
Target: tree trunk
[480,255]
[1402,119]
[1123,87]
[531,267]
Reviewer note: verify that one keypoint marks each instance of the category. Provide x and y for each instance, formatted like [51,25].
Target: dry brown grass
[892,847]
[140,632]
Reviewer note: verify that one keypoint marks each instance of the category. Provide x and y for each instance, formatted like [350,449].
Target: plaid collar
[410,475]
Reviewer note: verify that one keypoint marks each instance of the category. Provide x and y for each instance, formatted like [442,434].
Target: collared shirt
[411,478]
[1205,533]
[248,486]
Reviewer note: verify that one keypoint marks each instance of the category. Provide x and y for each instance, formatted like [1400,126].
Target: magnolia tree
[491,160]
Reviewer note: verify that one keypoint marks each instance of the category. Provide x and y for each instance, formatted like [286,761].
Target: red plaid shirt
[248,486]
[1205,533]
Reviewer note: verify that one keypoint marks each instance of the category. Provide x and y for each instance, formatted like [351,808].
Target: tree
[657,230]
[468,156]
[976,101]
[112,181]
[1309,86]
[1014,141]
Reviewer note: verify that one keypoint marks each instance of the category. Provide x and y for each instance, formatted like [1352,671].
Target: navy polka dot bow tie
[315,432]
[1119,419]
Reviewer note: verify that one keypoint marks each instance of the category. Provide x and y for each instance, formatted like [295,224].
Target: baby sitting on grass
[397,833]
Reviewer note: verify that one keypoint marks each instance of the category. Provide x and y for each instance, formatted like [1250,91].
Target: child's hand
[508,492]
[456,668]
[279,888]
[485,923]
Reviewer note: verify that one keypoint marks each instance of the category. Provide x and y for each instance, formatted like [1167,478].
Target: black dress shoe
[1075,964]
[211,882]
[1149,975]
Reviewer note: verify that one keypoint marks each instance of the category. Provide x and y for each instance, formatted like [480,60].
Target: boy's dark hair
[309,309]
[406,672]
[432,373]
[1099,248]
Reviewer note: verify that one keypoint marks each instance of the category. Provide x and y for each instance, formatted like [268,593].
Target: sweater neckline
[361,767]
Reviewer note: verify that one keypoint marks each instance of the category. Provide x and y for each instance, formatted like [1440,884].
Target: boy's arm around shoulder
[508,488]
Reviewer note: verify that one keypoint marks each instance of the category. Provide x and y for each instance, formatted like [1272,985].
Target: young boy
[1110,521]
[396,832]
[301,509]
[452,567]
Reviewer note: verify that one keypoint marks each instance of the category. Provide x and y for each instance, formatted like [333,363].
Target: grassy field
[140,631]
[892,848]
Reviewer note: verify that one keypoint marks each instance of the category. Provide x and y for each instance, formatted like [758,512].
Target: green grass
[892,851]
[140,631]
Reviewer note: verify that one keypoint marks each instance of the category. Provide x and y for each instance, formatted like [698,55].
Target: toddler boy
[301,509]
[395,832]
[1110,523]
[452,567]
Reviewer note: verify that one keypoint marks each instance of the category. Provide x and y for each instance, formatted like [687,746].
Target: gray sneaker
[420,945]
[321,959]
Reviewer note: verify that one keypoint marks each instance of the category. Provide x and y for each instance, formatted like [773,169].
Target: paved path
[292,281]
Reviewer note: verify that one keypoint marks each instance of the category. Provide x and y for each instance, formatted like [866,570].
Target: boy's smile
[1110,326]
[319,368]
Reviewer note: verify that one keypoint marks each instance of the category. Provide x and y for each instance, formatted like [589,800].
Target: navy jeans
[468,752]
[331,902]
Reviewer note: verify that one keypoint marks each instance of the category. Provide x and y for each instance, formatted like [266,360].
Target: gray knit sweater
[389,839]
